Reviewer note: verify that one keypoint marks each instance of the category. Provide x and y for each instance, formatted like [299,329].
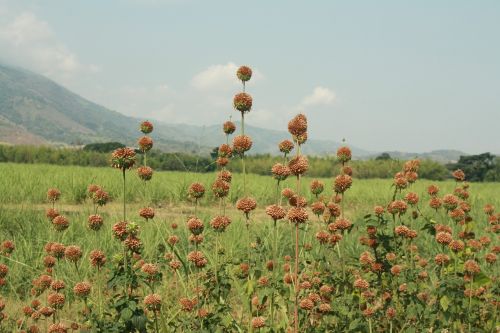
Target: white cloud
[319,96]
[28,41]
[220,78]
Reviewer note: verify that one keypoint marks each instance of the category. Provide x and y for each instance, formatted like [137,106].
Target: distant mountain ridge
[36,110]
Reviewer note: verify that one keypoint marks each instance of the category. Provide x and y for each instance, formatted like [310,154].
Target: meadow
[126,249]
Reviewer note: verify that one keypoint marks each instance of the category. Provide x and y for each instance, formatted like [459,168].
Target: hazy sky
[386,75]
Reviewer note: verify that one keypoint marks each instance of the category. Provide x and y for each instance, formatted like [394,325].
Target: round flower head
[318,208]
[229,127]
[435,203]
[489,209]
[433,190]
[97,258]
[145,173]
[147,212]
[241,144]
[51,213]
[379,210]
[297,215]
[443,238]
[298,165]
[244,73]
[347,170]
[298,125]
[225,175]
[317,187]
[7,247]
[91,189]
[459,175]
[280,172]
[220,223]
[73,253]
[145,144]
[286,146]
[224,151]
[287,192]
[146,127]
[220,188]
[301,139]
[58,328]
[221,161]
[242,102]
[120,230]
[82,289]
[100,197]
[197,258]
[276,212]
[258,322]
[342,183]
[344,154]
[152,302]
[56,300]
[195,225]
[471,266]
[246,205]
[53,194]
[196,190]
[95,222]
[60,223]
[411,198]
[123,158]
[450,202]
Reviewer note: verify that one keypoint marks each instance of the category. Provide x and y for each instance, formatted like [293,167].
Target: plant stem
[296,278]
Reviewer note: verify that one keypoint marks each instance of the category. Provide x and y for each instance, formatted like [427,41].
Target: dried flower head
[246,205]
[286,146]
[145,173]
[342,183]
[60,223]
[241,144]
[220,188]
[147,213]
[73,253]
[317,187]
[459,175]
[298,165]
[95,222]
[344,154]
[229,127]
[123,158]
[82,289]
[224,150]
[276,212]
[280,172]
[298,125]
[242,102]
[258,322]
[196,191]
[97,258]
[197,258]
[220,223]
[195,225]
[152,302]
[145,144]
[297,215]
[244,73]
[146,127]
[53,194]
[100,197]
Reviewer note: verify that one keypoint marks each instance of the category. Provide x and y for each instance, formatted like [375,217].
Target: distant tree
[493,175]
[383,157]
[214,153]
[476,167]
[104,147]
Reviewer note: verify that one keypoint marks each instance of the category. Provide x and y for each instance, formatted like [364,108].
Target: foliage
[104,147]
[477,167]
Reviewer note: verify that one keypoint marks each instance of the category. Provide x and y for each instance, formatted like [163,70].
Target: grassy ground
[23,204]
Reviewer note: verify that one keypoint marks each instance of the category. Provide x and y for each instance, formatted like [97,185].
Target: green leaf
[481,279]
[445,302]
[126,314]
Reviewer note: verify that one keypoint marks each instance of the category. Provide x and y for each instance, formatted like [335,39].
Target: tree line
[483,167]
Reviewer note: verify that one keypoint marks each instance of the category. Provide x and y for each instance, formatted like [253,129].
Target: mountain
[36,110]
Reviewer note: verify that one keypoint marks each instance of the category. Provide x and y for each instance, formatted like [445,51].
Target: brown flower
[246,204]
[242,102]
[229,127]
[123,158]
[276,212]
[298,125]
[286,146]
[145,144]
[60,223]
[280,172]
[145,173]
[298,165]
[146,127]
[53,194]
[73,253]
[197,258]
[225,150]
[258,322]
[220,223]
[244,73]
[241,144]
[459,175]
[342,183]
[97,258]
[56,300]
[196,191]
[95,222]
[147,212]
[152,302]
[344,154]
[220,188]
[82,289]
[195,225]
[317,187]
[297,215]
[51,213]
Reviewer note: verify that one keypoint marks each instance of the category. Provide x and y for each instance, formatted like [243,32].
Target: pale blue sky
[386,75]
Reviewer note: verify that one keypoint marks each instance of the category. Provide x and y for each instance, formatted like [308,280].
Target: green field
[22,219]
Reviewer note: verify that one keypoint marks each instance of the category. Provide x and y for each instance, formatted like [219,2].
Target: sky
[412,76]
